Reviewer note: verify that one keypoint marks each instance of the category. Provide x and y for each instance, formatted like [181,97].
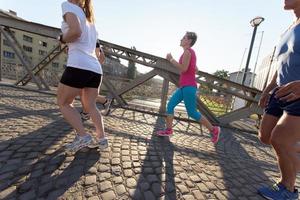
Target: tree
[222,74]
[131,71]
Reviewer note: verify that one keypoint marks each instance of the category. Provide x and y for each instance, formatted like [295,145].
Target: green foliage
[222,74]
[131,71]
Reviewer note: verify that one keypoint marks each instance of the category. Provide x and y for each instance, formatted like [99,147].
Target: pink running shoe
[215,134]
[165,133]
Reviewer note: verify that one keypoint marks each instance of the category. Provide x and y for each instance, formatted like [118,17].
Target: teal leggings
[188,95]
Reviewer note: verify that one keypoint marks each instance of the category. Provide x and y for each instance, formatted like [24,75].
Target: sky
[156,26]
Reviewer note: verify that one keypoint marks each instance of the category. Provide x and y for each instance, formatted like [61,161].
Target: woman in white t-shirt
[83,72]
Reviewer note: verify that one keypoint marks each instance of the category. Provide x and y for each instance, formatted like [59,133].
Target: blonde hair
[88,9]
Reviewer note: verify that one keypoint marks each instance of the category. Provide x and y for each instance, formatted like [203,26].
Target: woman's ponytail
[89,11]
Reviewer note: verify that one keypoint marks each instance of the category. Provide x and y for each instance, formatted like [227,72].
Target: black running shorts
[80,78]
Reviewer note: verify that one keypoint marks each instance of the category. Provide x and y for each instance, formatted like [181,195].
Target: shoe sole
[163,135]
[97,146]
[269,198]
[80,147]
[102,147]
[266,197]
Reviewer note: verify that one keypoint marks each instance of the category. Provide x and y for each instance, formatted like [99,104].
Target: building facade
[265,72]
[36,47]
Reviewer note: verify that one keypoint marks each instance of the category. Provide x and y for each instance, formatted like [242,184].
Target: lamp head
[256,21]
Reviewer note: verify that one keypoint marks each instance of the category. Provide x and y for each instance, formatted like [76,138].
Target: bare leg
[101,99]
[169,121]
[65,98]
[285,137]
[203,120]
[266,127]
[83,108]
[89,101]
[206,123]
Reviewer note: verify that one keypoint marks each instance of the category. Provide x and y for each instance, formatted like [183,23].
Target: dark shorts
[80,78]
[276,107]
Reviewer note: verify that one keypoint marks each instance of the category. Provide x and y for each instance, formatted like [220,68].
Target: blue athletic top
[288,56]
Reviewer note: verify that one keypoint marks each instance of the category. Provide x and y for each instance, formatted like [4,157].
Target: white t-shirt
[81,53]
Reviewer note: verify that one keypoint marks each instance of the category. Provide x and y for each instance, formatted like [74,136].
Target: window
[27,38]
[42,52]
[27,48]
[8,54]
[44,44]
[6,43]
[55,64]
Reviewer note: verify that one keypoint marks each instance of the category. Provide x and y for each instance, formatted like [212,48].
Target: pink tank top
[188,78]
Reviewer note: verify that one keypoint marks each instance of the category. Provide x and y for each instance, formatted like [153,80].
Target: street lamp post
[254,23]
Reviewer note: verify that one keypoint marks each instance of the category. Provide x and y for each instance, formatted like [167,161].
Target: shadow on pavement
[58,176]
[157,170]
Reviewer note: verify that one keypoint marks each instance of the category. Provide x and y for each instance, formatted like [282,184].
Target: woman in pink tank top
[187,89]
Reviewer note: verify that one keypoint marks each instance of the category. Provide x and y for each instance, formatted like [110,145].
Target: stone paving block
[120,189]
[183,189]
[28,195]
[128,173]
[92,170]
[149,196]
[190,184]
[91,191]
[44,189]
[131,182]
[6,192]
[89,180]
[115,161]
[195,179]
[6,175]
[219,195]
[94,198]
[144,186]
[118,180]
[135,194]
[152,178]
[110,195]
[198,195]
[188,197]
[202,187]
[103,168]
[137,164]
[105,185]
[104,176]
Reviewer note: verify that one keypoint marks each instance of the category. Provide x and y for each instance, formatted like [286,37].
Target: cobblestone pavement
[137,164]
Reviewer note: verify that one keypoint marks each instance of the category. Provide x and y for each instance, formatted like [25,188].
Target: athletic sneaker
[101,144]
[215,134]
[106,107]
[79,142]
[278,192]
[84,116]
[167,132]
